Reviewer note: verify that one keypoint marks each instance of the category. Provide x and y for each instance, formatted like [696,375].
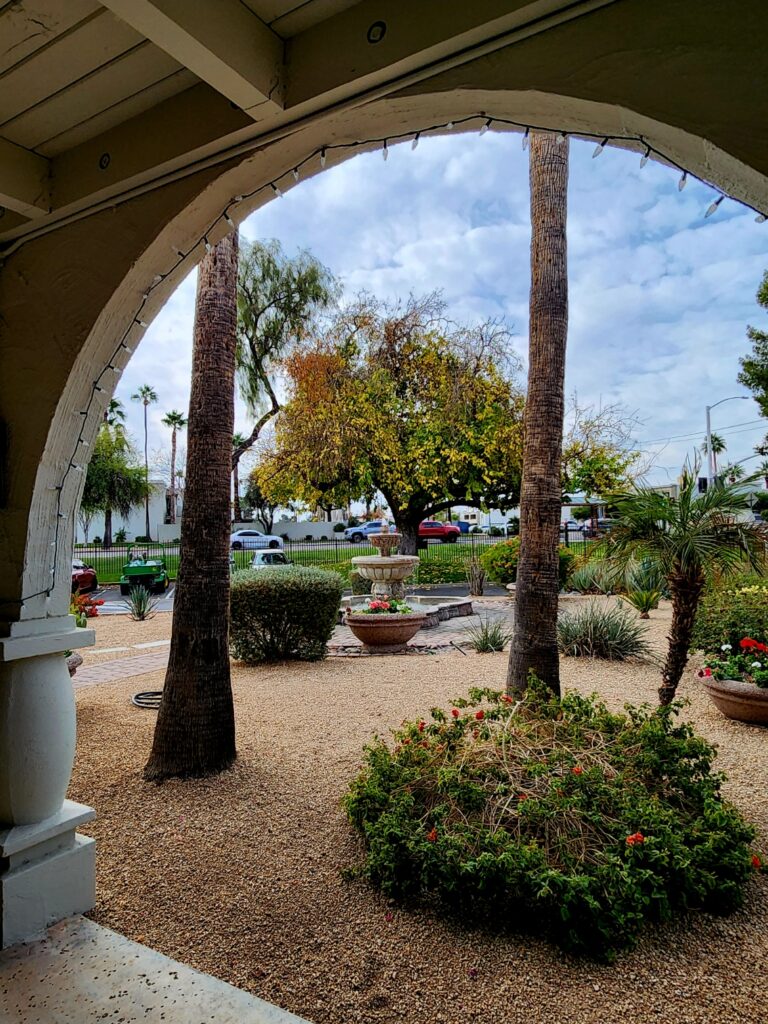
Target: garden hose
[149,699]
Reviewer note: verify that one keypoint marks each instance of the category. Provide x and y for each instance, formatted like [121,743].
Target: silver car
[269,559]
[244,539]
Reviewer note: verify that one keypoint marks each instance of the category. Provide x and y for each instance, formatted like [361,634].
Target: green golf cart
[145,572]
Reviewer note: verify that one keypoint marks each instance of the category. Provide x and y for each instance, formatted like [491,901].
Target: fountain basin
[436,609]
[382,567]
[383,633]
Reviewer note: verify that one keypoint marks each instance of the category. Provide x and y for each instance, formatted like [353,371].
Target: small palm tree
[763,470]
[147,396]
[176,421]
[687,537]
[114,414]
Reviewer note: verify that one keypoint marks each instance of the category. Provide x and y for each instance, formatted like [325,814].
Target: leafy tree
[195,730]
[114,482]
[147,395]
[390,400]
[754,368]
[176,421]
[277,299]
[534,647]
[256,499]
[688,538]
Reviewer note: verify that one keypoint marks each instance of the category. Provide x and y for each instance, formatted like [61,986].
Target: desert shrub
[551,816]
[500,561]
[593,576]
[600,631]
[726,614]
[488,637]
[283,613]
[140,604]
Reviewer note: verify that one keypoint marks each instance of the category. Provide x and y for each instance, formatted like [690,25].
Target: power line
[697,433]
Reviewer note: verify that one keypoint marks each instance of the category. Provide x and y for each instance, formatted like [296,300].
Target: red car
[84,579]
[447,533]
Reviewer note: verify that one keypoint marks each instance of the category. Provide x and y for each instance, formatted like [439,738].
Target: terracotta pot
[385,634]
[742,701]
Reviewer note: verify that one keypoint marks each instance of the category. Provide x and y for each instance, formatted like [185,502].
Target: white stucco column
[47,870]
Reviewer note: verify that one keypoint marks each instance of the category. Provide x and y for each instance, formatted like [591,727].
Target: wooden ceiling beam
[24,181]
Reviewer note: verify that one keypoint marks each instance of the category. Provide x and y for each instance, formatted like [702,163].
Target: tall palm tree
[688,538]
[535,641]
[147,396]
[732,471]
[176,421]
[238,444]
[195,731]
[718,447]
[763,470]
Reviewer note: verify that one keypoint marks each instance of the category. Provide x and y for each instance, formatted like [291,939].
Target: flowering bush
[551,815]
[749,662]
[84,607]
[390,607]
[728,613]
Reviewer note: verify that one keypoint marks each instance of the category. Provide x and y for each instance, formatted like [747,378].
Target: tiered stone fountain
[385,633]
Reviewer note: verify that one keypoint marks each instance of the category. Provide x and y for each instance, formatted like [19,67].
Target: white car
[243,539]
[269,559]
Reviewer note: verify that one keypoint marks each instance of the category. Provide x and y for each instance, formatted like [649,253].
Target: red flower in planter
[455,712]
[432,836]
[705,673]
[479,715]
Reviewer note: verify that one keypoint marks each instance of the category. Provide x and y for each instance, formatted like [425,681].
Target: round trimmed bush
[283,613]
[551,816]
[500,561]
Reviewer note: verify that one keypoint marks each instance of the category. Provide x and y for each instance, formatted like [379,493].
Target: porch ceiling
[99,97]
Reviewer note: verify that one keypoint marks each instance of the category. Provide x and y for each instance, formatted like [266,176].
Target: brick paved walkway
[448,635]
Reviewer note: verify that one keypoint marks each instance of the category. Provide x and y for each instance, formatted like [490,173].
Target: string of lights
[277,186]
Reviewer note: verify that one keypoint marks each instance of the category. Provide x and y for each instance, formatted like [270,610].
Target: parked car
[243,539]
[263,559]
[145,572]
[356,534]
[84,578]
[447,533]
[572,526]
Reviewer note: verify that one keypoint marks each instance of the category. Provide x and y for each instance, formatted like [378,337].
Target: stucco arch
[71,295]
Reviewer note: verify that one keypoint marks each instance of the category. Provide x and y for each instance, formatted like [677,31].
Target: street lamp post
[709,408]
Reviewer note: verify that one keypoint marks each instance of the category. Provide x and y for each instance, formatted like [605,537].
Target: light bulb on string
[761,218]
[526,138]
[276,190]
[322,157]
[295,173]
[415,142]
[714,205]
[599,148]
[645,157]
[449,125]
[683,181]
[560,138]
[485,127]
[229,221]
[385,150]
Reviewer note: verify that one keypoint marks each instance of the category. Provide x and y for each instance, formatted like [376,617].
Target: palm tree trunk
[106,540]
[685,592]
[146,476]
[173,475]
[237,514]
[535,641]
[195,732]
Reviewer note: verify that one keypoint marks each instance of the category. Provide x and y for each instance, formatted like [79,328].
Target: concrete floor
[80,972]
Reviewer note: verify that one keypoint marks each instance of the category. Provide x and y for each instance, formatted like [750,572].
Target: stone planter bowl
[385,634]
[741,701]
[382,569]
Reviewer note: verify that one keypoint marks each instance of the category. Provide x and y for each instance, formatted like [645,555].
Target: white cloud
[659,297]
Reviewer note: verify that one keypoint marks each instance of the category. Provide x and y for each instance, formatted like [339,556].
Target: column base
[47,872]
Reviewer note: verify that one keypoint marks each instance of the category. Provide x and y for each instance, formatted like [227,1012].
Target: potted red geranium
[385,625]
[737,681]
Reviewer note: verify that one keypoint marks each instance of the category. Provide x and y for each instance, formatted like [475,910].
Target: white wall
[134,524]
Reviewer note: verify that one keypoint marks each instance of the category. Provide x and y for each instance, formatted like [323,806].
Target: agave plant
[688,538]
[600,631]
[140,604]
[644,601]
[489,637]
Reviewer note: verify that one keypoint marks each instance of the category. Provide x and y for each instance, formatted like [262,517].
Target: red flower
[506,698]
[522,796]
[577,769]
[455,712]
[432,836]
[422,726]
[748,643]
[480,715]
[756,862]
[636,839]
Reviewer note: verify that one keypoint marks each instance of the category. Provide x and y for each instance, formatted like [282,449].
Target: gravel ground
[240,875]
[121,631]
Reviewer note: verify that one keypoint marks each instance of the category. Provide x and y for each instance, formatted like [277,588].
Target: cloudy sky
[659,297]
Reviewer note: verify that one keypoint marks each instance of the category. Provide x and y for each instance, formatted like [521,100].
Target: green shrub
[727,614]
[433,571]
[488,637]
[360,585]
[283,613]
[339,527]
[500,561]
[554,816]
[593,577]
[495,531]
[597,631]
